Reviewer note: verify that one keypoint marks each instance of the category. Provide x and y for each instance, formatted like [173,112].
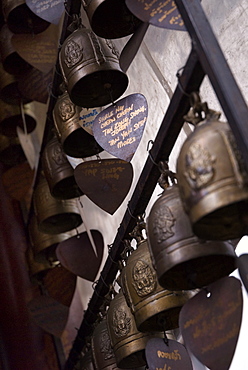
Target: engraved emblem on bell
[73,53]
[199,166]
[162,226]
[113,48]
[66,109]
[144,279]
[121,323]
[58,155]
[105,346]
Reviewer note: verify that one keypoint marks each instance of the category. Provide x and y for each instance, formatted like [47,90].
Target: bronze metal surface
[110,19]
[119,128]
[167,354]
[20,19]
[105,182]
[154,308]
[128,343]
[212,182]
[75,141]
[76,252]
[181,260]
[59,172]
[54,216]
[12,62]
[91,70]
[210,323]
[11,118]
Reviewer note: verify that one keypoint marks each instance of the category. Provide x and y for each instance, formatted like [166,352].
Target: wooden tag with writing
[60,284]
[76,252]
[86,118]
[169,355]
[35,85]
[159,13]
[49,314]
[242,262]
[38,50]
[210,323]
[118,129]
[49,10]
[105,182]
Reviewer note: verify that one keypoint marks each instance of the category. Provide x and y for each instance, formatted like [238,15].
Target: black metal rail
[206,58]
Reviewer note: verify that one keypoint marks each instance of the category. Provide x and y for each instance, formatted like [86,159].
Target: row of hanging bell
[212,179]
[181,259]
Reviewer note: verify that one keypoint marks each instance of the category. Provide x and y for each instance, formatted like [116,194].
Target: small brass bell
[128,343]
[212,181]
[110,19]
[91,71]
[76,142]
[54,216]
[153,307]
[36,270]
[183,261]
[59,172]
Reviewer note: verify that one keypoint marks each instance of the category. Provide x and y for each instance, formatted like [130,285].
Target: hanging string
[178,75]
[23,119]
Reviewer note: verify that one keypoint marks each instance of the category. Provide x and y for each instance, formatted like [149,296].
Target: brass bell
[20,19]
[91,71]
[153,307]
[54,216]
[44,245]
[11,152]
[183,261]
[36,270]
[128,343]
[110,19]
[12,62]
[58,172]
[76,142]
[11,117]
[212,181]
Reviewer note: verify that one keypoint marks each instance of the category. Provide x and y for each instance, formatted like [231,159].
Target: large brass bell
[128,343]
[91,71]
[76,142]
[110,19]
[54,216]
[212,181]
[183,261]
[153,307]
[20,19]
[59,172]
[44,245]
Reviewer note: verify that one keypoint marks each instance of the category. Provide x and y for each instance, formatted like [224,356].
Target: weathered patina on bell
[12,62]
[59,172]
[212,181]
[44,245]
[54,216]
[153,307]
[20,19]
[110,19]
[91,71]
[128,343]
[11,117]
[76,142]
[181,259]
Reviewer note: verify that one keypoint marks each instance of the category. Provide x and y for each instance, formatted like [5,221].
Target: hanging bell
[153,307]
[76,142]
[13,116]
[11,152]
[36,270]
[183,261]
[212,180]
[44,245]
[128,343]
[91,71]
[12,62]
[110,19]
[54,216]
[59,172]
[20,19]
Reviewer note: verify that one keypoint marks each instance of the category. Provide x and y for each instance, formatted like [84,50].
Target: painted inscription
[87,117]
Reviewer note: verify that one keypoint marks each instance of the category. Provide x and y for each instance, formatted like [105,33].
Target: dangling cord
[165,339]
[178,75]
[149,153]
[23,119]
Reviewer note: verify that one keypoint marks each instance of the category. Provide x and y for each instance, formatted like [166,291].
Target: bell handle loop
[167,176]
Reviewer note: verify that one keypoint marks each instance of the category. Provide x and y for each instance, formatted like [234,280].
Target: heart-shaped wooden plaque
[35,85]
[105,182]
[50,10]
[210,323]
